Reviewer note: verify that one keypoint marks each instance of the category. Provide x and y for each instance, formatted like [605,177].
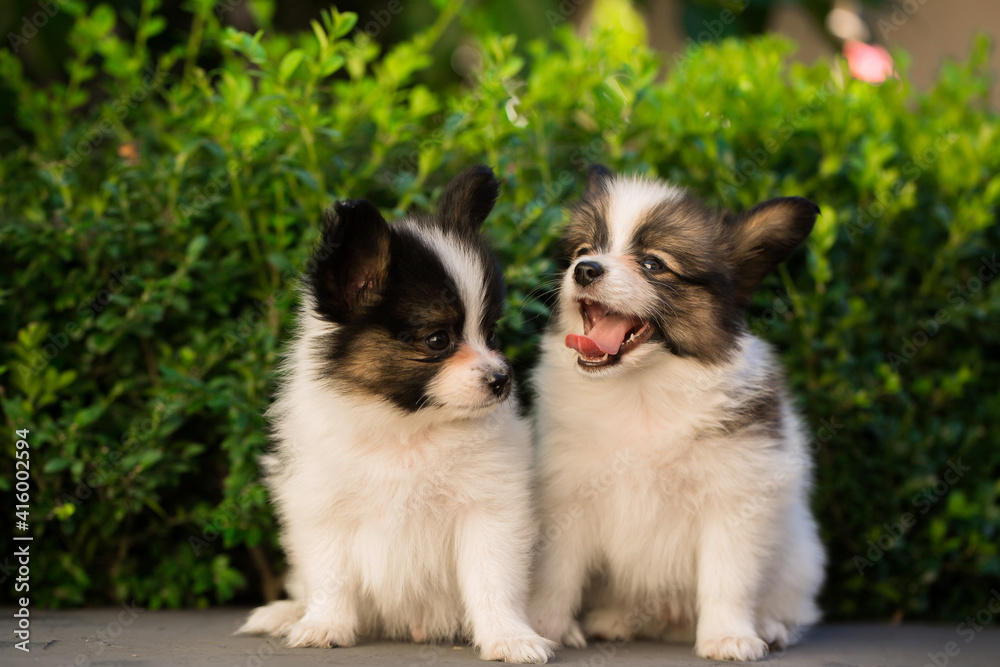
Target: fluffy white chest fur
[639,474]
[674,473]
[416,527]
[401,472]
[392,500]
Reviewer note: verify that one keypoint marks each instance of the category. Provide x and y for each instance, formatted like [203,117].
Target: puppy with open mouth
[402,470]
[674,471]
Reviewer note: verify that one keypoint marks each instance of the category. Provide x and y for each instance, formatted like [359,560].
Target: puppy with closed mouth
[401,472]
[674,470]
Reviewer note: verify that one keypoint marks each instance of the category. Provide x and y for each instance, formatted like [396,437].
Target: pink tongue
[605,337]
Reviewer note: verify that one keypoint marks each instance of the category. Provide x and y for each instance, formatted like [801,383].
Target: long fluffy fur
[674,486]
[410,522]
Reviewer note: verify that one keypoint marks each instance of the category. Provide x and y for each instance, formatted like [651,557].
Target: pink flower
[868,62]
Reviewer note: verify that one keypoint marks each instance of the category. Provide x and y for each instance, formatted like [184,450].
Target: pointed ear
[598,178]
[468,199]
[349,268]
[765,236]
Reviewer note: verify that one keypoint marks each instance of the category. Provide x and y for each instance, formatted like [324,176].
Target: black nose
[587,272]
[498,382]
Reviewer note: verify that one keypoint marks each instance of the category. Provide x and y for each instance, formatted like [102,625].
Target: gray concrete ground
[134,637]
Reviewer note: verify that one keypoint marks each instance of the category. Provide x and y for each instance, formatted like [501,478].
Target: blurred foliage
[158,206]
[384,21]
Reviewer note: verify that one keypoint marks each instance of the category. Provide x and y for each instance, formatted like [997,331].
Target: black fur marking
[346,271]
[686,231]
[715,261]
[588,228]
[468,200]
[698,316]
[381,352]
[598,179]
[760,414]
[494,291]
[386,313]
[755,415]
[765,236]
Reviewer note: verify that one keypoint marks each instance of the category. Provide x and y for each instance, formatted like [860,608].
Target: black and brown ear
[598,179]
[765,236]
[468,199]
[347,271]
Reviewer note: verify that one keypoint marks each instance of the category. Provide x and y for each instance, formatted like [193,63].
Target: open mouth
[607,336]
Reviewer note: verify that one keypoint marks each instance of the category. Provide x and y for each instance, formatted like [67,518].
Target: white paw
[273,619]
[566,633]
[519,648]
[775,633]
[731,648]
[318,634]
[607,625]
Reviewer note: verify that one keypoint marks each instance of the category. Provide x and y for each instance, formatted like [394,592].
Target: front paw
[731,648]
[318,634]
[274,619]
[519,648]
[565,633]
[607,625]
[777,634]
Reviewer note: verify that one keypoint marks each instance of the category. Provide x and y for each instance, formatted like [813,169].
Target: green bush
[157,208]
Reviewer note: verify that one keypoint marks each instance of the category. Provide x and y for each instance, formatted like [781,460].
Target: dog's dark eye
[652,264]
[585,250]
[491,339]
[437,341]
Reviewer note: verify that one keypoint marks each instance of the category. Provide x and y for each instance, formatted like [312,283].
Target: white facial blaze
[629,199]
[466,269]
[623,287]
[462,380]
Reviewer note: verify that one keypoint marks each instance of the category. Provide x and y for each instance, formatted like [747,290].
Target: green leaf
[195,247]
[289,63]
[324,43]
[345,22]
[333,63]
[154,26]
[54,465]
